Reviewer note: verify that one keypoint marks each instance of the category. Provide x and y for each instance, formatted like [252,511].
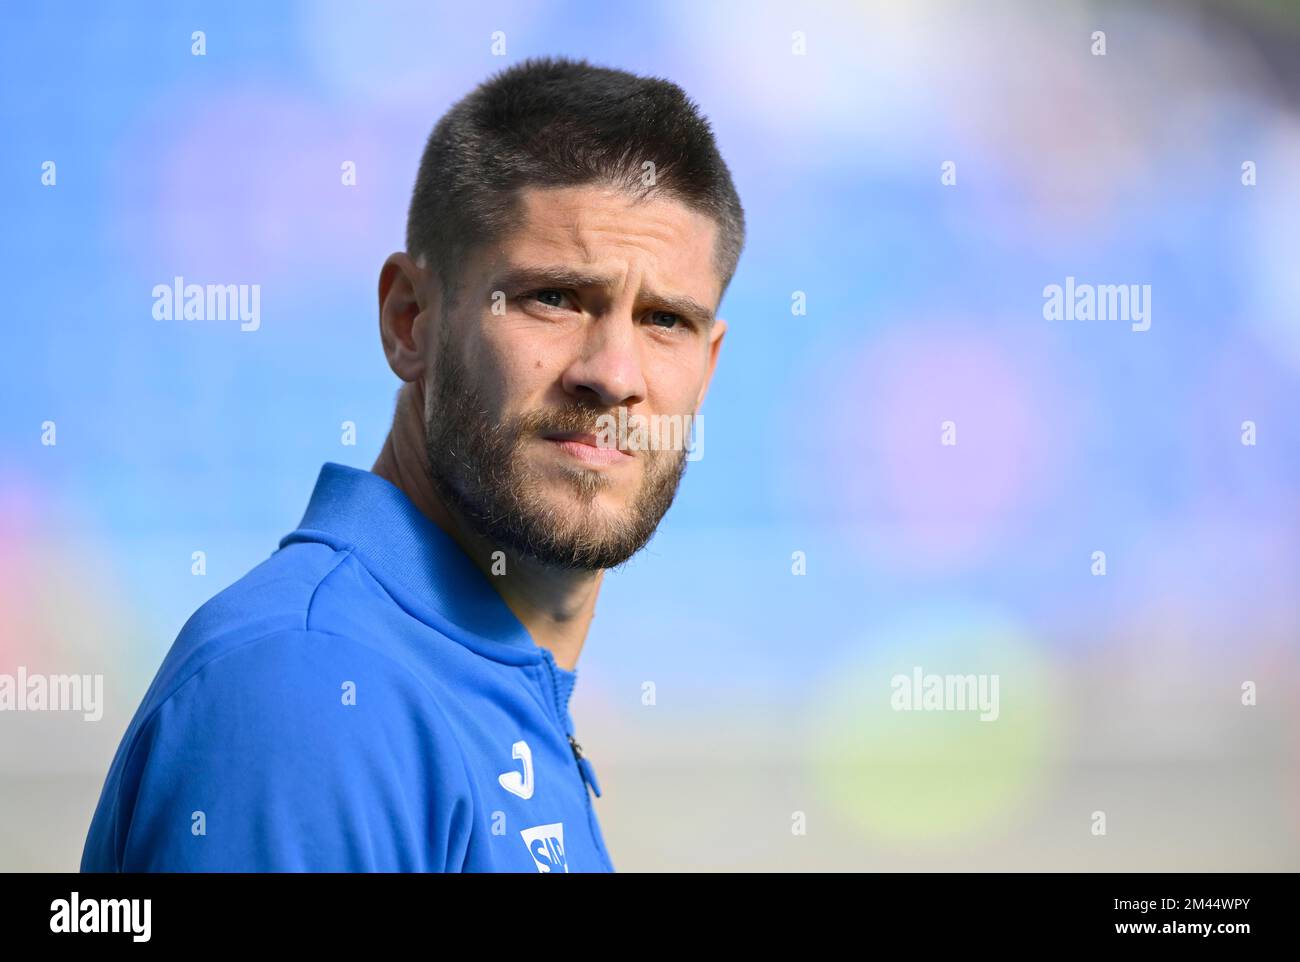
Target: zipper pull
[585,767]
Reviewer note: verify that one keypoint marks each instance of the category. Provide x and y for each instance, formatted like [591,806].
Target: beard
[478,464]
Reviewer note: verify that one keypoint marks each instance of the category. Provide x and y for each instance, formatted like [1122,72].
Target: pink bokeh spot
[896,395]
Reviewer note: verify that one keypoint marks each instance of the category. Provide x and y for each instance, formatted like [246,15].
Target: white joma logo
[512,781]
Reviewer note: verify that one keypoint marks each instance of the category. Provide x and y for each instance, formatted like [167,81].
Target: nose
[607,371]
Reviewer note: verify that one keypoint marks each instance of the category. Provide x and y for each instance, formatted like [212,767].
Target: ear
[715,346]
[403,322]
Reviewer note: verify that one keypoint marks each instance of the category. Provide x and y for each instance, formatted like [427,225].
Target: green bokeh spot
[916,776]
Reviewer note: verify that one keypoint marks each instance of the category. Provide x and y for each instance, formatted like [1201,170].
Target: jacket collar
[418,563]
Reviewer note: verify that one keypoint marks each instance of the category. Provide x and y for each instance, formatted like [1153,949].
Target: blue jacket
[363,700]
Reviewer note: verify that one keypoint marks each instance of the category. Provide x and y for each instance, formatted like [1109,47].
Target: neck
[556,606]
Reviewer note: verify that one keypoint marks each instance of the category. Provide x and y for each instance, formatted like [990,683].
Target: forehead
[605,227]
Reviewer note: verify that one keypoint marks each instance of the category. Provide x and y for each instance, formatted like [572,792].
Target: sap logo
[546,846]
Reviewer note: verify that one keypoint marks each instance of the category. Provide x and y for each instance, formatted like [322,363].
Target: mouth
[584,448]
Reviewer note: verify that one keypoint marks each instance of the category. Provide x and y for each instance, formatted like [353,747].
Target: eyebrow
[566,277]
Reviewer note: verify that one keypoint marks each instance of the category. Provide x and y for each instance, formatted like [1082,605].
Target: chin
[575,507]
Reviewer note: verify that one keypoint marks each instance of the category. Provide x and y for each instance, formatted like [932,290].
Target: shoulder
[297,750]
[300,698]
[258,661]
[263,624]
[302,741]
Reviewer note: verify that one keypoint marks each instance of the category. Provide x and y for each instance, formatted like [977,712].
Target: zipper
[585,770]
[584,766]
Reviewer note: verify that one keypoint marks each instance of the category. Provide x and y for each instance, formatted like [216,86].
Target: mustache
[578,418]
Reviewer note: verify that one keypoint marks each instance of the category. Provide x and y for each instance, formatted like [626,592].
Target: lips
[584,447]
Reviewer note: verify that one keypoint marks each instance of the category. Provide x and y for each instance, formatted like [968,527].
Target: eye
[666,320]
[546,294]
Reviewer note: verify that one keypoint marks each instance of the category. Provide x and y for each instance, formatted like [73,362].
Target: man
[389,691]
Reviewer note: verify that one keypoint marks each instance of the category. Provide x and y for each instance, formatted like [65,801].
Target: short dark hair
[558,122]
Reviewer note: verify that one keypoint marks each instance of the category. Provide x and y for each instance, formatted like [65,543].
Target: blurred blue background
[770,743]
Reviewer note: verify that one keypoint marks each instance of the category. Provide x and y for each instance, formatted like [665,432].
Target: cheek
[518,369]
[482,366]
[674,385]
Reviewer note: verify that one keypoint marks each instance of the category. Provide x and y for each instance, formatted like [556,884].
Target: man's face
[528,359]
